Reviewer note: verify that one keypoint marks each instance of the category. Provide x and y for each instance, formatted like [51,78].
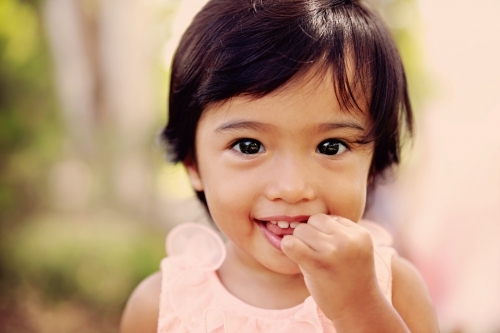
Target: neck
[259,286]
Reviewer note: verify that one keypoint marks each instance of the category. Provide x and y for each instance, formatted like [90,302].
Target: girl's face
[282,157]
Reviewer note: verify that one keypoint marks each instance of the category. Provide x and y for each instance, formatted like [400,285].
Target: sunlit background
[87,198]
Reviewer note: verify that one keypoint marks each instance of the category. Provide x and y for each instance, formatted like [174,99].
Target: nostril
[291,195]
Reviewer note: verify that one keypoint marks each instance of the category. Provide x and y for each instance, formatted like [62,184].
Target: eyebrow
[261,127]
[325,127]
[241,124]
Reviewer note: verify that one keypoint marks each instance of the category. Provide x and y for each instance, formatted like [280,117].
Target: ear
[193,173]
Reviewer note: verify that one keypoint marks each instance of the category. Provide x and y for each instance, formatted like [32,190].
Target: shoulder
[411,298]
[141,311]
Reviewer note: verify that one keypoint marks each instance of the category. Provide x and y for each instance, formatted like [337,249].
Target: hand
[336,258]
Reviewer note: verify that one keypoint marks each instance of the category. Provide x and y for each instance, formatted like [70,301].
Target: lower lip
[272,238]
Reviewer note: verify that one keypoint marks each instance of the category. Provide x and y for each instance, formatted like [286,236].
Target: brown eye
[331,147]
[249,147]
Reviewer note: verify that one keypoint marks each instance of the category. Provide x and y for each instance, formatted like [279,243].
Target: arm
[411,298]
[141,311]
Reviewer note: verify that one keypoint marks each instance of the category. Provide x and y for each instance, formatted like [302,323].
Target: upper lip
[296,218]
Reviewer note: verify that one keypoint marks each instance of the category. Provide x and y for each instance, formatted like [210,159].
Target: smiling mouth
[275,230]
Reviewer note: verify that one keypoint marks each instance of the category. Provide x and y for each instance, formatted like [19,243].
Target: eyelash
[236,146]
[334,145]
[344,147]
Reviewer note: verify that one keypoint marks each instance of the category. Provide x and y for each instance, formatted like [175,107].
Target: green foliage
[18,31]
[90,261]
[29,128]
[97,259]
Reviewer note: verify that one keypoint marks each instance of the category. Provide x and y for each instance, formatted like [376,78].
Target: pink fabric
[194,300]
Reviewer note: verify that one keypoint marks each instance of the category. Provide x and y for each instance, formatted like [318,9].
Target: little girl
[284,113]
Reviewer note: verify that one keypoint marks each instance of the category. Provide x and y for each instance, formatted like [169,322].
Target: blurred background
[87,198]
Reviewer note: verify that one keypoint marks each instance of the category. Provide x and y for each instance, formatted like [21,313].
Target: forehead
[306,98]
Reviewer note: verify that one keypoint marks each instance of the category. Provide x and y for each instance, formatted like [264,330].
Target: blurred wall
[449,196]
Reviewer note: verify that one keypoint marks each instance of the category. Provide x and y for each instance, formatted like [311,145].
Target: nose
[290,180]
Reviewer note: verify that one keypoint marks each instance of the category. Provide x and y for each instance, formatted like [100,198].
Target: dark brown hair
[253,47]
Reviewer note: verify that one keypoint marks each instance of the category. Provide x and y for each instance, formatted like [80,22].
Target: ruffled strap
[196,246]
[193,250]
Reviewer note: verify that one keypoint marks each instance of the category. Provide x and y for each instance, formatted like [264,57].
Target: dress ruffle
[194,300]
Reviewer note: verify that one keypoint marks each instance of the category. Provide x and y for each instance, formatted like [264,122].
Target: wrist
[366,300]
[371,312]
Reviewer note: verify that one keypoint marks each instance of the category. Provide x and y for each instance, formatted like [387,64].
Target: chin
[284,266]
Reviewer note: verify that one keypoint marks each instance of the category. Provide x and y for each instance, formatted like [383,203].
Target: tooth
[283,224]
[294,224]
[273,222]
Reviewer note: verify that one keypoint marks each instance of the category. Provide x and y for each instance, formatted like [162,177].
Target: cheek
[230,208]
[228,192]
[347,199]
[346,192]
[359,197]
[227,180]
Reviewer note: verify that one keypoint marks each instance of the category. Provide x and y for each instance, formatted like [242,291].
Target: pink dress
[194,300]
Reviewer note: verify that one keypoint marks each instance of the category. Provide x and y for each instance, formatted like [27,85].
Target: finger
[330,224]
[349,226]
[295,249]
[317,240]
[346,222]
